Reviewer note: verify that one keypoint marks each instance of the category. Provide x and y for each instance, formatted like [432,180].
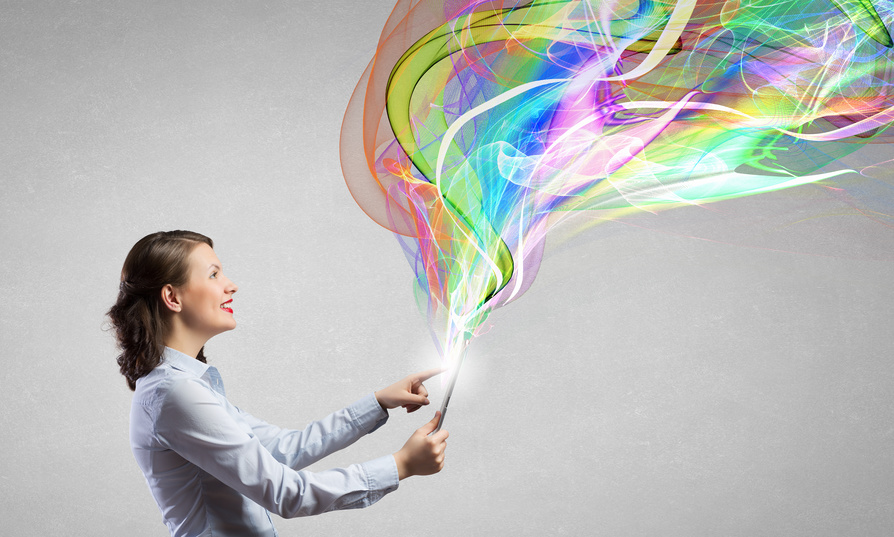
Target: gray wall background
[649,383]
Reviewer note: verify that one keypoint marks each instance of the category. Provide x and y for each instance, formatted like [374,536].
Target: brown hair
[138,316]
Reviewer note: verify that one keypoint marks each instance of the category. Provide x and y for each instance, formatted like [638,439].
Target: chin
[227,328]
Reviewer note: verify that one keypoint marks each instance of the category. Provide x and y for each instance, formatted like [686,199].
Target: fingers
[422,392]
[432,425]
[411,399]
[408,393]
[440,436]
[427,374]
[415,402]
[418,389]
[412,408]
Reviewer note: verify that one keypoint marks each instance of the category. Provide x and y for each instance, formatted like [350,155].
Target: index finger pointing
[425,375]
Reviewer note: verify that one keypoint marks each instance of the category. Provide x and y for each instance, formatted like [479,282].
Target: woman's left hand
[409,392]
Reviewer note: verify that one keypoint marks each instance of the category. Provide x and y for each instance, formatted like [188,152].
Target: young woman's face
[206,299]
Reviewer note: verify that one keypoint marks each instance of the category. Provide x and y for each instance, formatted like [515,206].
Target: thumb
[432,425]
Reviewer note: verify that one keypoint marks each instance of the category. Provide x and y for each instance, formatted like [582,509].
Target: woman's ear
[170,297]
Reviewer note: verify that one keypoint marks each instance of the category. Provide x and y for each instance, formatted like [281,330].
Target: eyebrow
[214,265]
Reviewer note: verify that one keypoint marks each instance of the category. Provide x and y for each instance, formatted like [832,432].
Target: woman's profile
[212,468]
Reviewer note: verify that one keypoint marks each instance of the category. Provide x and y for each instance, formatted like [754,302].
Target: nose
[231,287]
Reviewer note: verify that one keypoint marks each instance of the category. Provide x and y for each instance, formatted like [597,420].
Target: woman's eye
[214,275]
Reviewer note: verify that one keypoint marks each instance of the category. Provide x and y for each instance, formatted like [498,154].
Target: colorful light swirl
[480,125]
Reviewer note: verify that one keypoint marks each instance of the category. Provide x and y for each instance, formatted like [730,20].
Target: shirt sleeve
[299,449]
[195,424]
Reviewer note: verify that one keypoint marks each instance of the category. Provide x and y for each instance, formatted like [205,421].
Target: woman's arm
[193,422]
[298,449]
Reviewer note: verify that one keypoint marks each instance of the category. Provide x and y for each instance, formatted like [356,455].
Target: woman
[213,468]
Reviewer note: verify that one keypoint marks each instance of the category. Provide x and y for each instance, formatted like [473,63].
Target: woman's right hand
[422,454]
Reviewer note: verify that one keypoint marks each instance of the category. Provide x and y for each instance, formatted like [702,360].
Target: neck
[184,341]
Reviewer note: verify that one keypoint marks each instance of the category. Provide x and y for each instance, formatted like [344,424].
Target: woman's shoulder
[176,400]
[165,385]
[186,389]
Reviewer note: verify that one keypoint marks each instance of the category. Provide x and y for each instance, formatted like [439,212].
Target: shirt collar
[184,362]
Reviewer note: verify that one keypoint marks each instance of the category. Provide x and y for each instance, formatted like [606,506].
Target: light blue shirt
[216,470]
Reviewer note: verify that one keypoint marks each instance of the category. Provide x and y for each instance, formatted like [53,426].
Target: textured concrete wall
[649,383]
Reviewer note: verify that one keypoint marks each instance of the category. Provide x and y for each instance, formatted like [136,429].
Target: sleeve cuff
[381,474]
[368,414]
